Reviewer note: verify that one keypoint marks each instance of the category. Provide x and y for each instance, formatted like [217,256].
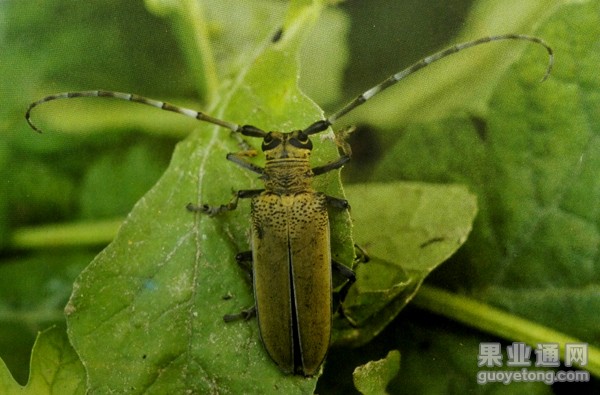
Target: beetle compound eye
[302,137]
[301,143]
[270,142]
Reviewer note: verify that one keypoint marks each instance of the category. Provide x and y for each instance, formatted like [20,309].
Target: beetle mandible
[291,256]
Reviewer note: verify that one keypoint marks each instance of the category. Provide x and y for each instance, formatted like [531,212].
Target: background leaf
[33,293]
[55,368]
[373,377]
[416,234]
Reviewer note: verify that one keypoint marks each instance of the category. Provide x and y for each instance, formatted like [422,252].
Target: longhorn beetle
[291,257]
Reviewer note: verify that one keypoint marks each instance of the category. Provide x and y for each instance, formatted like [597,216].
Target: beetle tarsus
[361,254]
[211,210]
[232,205]
[244,314]
[338,203]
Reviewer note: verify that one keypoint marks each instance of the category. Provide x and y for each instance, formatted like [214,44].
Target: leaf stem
[65,235]
[498,322]
[198,47]
[191,27]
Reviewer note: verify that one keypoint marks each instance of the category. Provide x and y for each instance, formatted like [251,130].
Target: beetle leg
[239,159]
[243,144]
[341,139]
[344,148]
[244,259]
[232,205]
[344,271]
[361,254]
[336,164]
[337,202]
[244,314]
[361,257]
[339,296]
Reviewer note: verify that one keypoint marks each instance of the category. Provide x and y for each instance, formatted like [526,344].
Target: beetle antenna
[132,98]
[323,124]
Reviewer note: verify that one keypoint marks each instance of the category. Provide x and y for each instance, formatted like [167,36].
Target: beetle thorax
[287,169]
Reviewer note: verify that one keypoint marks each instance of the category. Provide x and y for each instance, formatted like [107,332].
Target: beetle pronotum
[291,257]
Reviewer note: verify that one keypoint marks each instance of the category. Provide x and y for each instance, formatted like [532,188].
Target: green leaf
[219,36]
[146,315]
[55,368]
[408,229]
[33,293]
[546,186]
[373,377]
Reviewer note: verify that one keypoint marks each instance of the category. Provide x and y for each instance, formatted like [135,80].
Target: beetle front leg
[346,152]
[239,158]
[336,164]
[232,205]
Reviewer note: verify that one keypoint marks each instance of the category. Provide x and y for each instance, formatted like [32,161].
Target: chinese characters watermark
[547,355]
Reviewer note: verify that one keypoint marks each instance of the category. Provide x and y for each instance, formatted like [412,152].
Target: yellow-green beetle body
[291,251]
[291,257]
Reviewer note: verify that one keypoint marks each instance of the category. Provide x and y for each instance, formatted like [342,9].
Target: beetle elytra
[291,256]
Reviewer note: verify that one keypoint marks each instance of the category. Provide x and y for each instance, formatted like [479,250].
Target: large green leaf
[146,315]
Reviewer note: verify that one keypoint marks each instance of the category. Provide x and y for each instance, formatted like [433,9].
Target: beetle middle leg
[244,259]
[232,205]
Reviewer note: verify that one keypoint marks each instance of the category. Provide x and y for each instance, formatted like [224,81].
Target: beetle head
[277,145]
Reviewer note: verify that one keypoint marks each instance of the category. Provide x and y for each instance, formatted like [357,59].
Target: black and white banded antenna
[317,126]
[132,98]
[393,79]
